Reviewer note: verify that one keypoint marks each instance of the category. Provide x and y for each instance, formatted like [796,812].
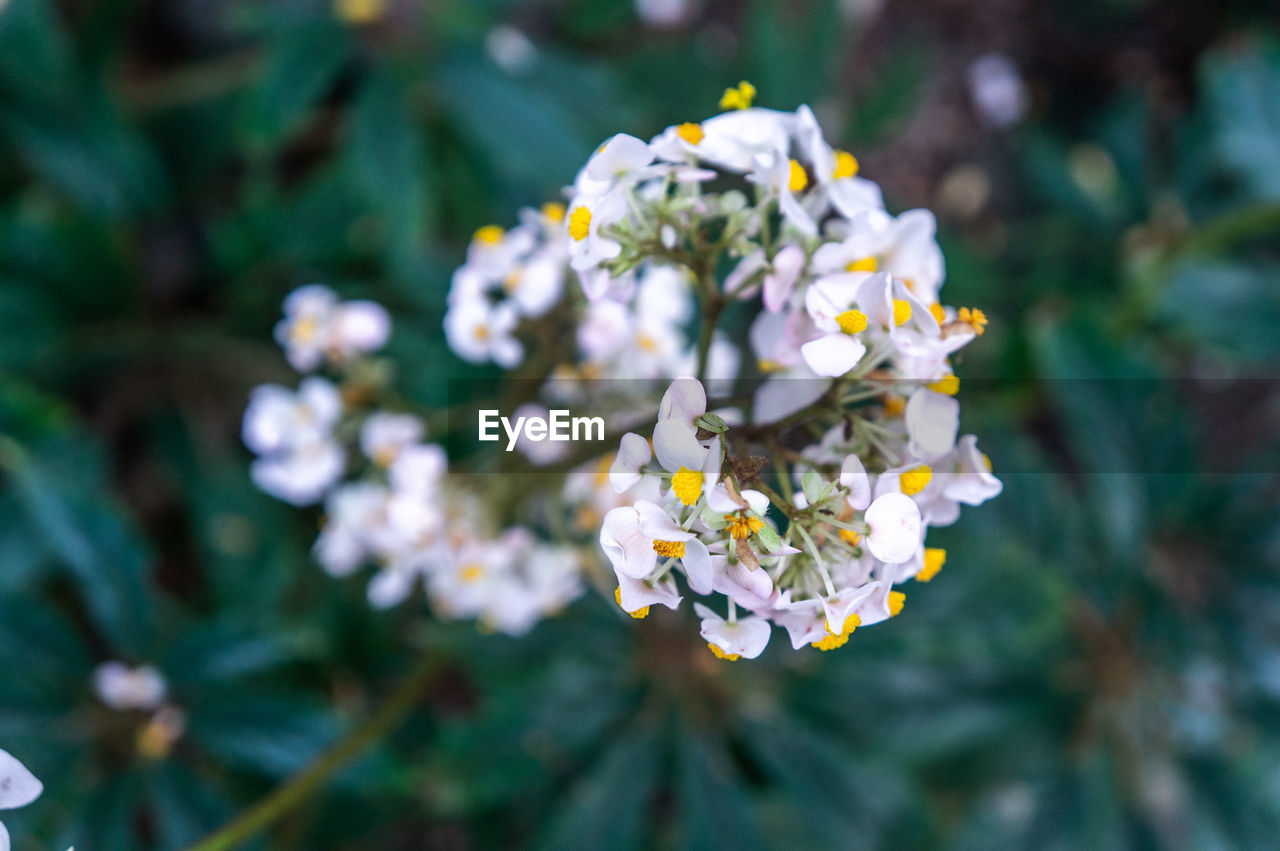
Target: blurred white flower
[126,689]
[997,89]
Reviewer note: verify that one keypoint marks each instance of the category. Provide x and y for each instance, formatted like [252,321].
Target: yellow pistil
[850,537]
[720,654]
[304,330]
[934,559]
[852,321]
[896,601]
[938,313]
[686,484]
[974,318]
[914,480]
[669,549]
[863,264]
[580,223]
[638,613]
[359,11]
[901,311]
[738,98]
[690,132]
[894,406]
[797,179]
[489,235]
[831,641]
[846,165]
[553,212]
[948,384]
[743,525]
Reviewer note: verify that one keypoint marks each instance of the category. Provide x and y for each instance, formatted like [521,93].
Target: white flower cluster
[857,347]
[387,497]
[749,213]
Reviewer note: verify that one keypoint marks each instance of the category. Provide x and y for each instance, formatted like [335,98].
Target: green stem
[321,770]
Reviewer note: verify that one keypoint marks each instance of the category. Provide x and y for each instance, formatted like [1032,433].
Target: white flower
[350,511]
[663,13]
[894,522]
[788,263]
[633,538]
[744,638]
[734,139]
[479,332]
[129,689]
[786,179]
[510,49]
[997,89]
[418,468]
[383,435]
[18,787]
[693,466]
[633,454]
[588,247]
[317,326]
[835,172]
[278,419]
[619,158]
[292,434]
[302,475]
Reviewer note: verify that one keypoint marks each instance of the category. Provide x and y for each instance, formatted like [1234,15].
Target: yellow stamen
[934,559]
[304,330]
[669,549]
[901,311]
[850,537]
[481,331]
[797,180]
[720,654]
[948,384]
[913,481]
[986,459]
[489,235]
[973,317]
[638,613]
[646,343]
[894,406]
[580,223]
[863,264]
[686,484]
[769,366]
[471,573]
[831,640]
[896,601]
[512,281]
[690,132]
[738,98]
[846,165]
[742,524]
[553,212]
[938,313]
[852,321]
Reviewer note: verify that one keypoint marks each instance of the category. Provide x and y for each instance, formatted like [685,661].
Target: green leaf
[303,61]
[1242,96]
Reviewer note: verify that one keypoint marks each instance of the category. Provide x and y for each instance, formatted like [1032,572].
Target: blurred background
[1097,666]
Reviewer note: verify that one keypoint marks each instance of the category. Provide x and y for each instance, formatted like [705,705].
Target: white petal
[18,786]
[676,445]
[895,528]
[633,453]
[833,355]
[657,525]
[684,400]
[697,566]
[854,477]
[932,419]
[629,550]
[778,284]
